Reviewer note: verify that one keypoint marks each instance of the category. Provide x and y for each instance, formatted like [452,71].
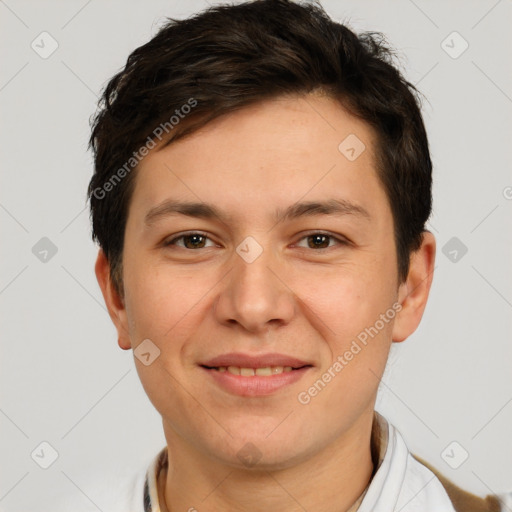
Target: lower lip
[256,385]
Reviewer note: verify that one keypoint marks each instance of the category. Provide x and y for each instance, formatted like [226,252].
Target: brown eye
[321,241]
[318,241]
[190,241]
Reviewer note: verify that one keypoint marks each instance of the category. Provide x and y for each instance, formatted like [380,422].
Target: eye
[192,240]
[319,240]
[196,240]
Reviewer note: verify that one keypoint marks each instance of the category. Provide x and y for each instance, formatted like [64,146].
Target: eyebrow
[337,207]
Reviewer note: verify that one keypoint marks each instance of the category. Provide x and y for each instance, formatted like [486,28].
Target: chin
[254,457]
[261,445]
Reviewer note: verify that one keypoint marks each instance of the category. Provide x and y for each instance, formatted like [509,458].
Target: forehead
[267,155]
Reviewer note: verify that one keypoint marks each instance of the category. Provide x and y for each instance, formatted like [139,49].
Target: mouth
[255,381]
[252,375]
[265,371]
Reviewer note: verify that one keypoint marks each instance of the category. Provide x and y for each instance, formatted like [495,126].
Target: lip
[255,361]
[256,385]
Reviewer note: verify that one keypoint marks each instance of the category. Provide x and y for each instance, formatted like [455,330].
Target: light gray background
[64,380]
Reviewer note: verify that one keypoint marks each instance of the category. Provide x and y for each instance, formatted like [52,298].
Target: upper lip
[254,361]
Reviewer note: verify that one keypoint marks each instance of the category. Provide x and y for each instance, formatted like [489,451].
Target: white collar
[401,483]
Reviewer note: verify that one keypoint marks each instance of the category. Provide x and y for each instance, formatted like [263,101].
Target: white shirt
[400,484]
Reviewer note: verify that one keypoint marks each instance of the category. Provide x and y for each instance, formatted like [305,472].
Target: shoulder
[464,501]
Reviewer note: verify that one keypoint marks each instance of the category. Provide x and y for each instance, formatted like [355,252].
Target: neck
[331,480]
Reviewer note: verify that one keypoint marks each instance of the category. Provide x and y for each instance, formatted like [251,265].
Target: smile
[267,371]
[254,382]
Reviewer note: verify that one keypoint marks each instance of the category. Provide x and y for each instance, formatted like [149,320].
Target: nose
[255,294]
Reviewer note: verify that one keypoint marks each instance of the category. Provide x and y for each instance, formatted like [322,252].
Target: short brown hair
[231,56]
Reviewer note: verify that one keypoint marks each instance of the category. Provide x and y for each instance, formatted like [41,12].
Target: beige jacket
[464,501]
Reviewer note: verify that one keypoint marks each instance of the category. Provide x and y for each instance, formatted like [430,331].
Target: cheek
[345,302]
[347,313]
[159,298]
[356,340]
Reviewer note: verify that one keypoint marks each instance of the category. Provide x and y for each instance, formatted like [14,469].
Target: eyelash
[321,233]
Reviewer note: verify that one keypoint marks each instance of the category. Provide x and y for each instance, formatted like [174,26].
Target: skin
[295,299]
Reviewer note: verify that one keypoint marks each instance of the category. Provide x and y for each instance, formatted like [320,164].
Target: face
[290,269]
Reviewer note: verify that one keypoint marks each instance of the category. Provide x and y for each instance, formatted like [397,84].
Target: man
[261,188]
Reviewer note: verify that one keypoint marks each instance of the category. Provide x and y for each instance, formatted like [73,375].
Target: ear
[413,293]
[113,301]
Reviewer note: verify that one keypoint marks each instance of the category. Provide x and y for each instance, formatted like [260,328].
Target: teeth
[251,372]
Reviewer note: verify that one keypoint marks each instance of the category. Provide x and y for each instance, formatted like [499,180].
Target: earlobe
[413,293]
[115,304]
